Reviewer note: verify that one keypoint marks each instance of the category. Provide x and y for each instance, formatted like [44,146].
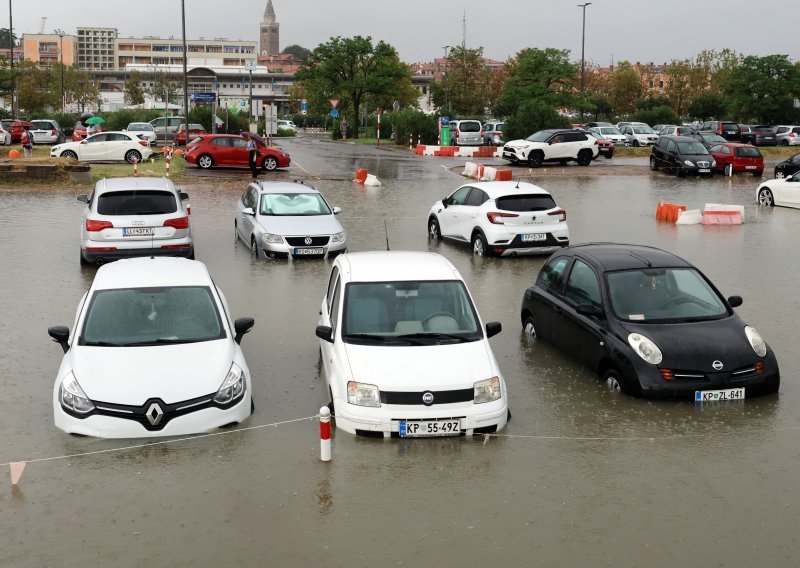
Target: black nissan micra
[648,323]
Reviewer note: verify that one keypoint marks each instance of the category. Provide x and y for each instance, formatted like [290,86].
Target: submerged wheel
[434,234]
[765,197]
[613,381]
[253,246]
[479,245]
[529,326]
[653,164]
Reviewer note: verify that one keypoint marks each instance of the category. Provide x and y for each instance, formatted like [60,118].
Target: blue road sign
[203,97]
[334,112]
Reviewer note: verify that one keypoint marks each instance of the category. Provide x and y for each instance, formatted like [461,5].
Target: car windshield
[409,313]
[663,295]
[540,136]
[143,127]
[610,130]
[130,317]
[525,203]
[748,152]
[469,126]
[41,125]
[691,148]
[643,130]
[137,202]
[291,204]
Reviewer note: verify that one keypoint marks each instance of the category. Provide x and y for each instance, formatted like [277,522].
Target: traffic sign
[203,97]
[334,112]
[304,105]
[334,102]
[250,64]
[303,111]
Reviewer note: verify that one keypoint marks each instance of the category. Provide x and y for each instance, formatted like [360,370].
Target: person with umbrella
[93,125]
[27,140]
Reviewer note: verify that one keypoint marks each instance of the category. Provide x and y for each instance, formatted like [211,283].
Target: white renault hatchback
[404,350]
[500,218]
[153,353]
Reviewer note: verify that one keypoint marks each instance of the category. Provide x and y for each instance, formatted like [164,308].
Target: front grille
[703,164]
[301,241]
[741,373]
[439,397]
[139,413]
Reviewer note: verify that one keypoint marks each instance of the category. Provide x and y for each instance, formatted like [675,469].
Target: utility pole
[583,45]
[185,76]
[11,47]
[61,34]
[446,89]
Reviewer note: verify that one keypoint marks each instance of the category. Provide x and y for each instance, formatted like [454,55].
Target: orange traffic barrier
[419,149]
[669,211]
[503,175]
[361,175]
[178,152]
[13,154]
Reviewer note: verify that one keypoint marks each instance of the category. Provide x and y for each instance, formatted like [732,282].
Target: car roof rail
[303,182]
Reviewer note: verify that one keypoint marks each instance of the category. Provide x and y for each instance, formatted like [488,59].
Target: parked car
[728,130]
[500,218]
[493,133]
[552,146]
[657,127]
[134,216]
[153,353]
[15,127]
[739,157]
[787,135]
[195,131]
[757,135]
[46,131]
[605,148]
[466,132]
[5,136]
[671,130]
[707,139]
[788,167]
[217,150]
[143,130]
[639,135]
[287,125]
[784,192]
[166,127]
[595,124]
[404,351]
[610,133]
[682,155]
[105,147]
[288,220]
[621,125]
[648,323]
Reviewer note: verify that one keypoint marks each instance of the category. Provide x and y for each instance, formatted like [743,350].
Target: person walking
[27,142]
[251,156]
[343,128]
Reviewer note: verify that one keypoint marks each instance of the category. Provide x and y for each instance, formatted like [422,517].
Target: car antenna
[517,184]
[386,232]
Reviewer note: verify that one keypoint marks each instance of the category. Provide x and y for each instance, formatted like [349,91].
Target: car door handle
[557,309]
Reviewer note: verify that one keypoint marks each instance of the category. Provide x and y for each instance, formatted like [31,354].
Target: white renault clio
[404,350]
[153,353]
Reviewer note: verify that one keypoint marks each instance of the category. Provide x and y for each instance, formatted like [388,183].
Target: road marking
[302,168]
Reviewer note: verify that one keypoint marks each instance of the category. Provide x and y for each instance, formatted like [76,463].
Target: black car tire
[784,142]
[615,382]
[132,156]
[535,159]
[69,154]
[653,164]
[205,162]
[253,247]
[680,172]
[758,174]
[529,326]
[479,247]
[584,157]
[636,143]
[269,164]
[765,197]
[434,232]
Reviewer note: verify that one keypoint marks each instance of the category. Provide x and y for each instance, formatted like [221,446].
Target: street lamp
[446,89]
[185,76]
[61,34]
[11,47]
[583,45]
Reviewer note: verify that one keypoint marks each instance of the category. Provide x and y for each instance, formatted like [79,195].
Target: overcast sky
[636,30]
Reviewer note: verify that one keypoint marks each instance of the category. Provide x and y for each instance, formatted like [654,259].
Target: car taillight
[497,218]
[94,226]
[179,223]
[561,213]
[53,132]
[143,143]
[458,133]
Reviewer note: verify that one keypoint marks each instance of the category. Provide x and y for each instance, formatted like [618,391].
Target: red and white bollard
[135,167]
[410,141]
[419,139]
[379,127]
[325,434]
[169,160]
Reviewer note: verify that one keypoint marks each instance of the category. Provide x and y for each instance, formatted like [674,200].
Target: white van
[466,132]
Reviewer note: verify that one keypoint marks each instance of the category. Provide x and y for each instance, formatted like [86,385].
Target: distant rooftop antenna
[41,26]
[464,32]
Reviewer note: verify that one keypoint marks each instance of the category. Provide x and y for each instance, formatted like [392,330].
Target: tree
[625,89]
[686,80]
[352,68]
[34,90]
[163,87]
[4,41]
[707,106]
[598,106]
[763,88]
[463,89]
[80,88]
[531,116]
[134,92]
[716,67]
[543,75]
[300,53]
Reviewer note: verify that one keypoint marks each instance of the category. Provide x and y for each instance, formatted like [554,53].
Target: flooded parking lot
[579,477]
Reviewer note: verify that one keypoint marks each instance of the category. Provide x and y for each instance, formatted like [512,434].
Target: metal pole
[61,57]
[583,45]
[446,86]
[185,76]
[250,98]
[11,47]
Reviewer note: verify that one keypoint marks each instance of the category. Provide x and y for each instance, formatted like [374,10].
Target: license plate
[719,395]
[704,170]
[307,251]
[534,237]
[749,167]
[419,428]
[138,231]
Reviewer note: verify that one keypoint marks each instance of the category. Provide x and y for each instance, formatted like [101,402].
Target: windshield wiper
[103,344]
[368,336]
[434,335]
[160,341]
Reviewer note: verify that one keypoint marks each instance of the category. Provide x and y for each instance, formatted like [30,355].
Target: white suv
[126,217]
[639,134]
[404,350]
[552,146]
[500,218]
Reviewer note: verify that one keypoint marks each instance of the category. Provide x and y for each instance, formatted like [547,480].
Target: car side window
[239,143]
[574,137]
[159,122]
[253,198]
[582,286]
[476,197]
[334,310]
[726,150]
[331,286]
[672,147]
[552,274]
[221,142]
[98,138]
[245,197]
[459,197]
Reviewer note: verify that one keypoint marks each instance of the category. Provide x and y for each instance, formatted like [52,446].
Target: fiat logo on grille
[717,365]
[427,398]
[154,414]
[308,241]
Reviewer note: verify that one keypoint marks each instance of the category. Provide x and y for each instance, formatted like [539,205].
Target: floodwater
[580,477]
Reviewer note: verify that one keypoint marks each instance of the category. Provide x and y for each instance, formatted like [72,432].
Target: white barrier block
[372,181]
[691,217]
[469,169]
[429,150]
[489,174]
[725,207]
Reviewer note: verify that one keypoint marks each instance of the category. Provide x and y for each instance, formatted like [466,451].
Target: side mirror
[60,334]
[242,326]
[82,198]
[337,210]
[493,328]
[248,211]
[83,141]
[445,202]
[735,301]
[183,195]
[325,332]
[589,310]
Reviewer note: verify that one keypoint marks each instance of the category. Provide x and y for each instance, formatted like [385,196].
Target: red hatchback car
[15,128]
[742,157]
[195,130]
[213,150]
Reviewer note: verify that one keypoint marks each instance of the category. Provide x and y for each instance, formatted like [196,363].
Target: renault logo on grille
[717,365]
[308,241]
[427,398]
[154,414]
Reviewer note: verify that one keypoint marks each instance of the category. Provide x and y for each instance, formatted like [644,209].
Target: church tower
[268,43]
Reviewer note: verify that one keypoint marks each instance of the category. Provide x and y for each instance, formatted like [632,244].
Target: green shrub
[530,117]
[410,122]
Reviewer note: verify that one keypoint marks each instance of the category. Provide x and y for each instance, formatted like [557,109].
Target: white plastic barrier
[470,169]
[691,217]
[489,173]
[429,150]
[372,181]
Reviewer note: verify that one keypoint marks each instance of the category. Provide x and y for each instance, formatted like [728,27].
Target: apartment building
[46,49]
[150,50]
[96,48]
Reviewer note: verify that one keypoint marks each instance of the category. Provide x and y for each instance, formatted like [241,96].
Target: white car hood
[419,368]
[522,143]
[300,225]
[132,375]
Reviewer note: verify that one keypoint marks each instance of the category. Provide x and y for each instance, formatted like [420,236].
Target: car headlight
[689,163]
[645,348]
[486,390]
[362,394]
[713,163]
[72,396]
[756,341]
[338,238]
[270,238]
[232,387]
